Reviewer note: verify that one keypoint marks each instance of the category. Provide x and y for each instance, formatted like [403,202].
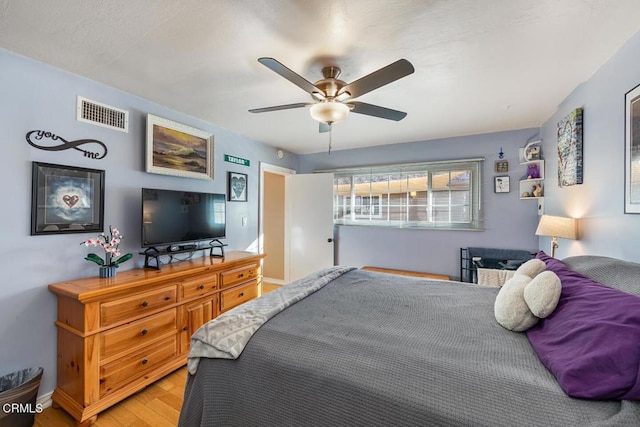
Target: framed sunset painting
[178,150]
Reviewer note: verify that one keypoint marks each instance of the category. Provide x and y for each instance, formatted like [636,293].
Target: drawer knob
[144,303]
[185,328]
[241,275]
[145,361]
[241,294]
[201,286]
[144,331]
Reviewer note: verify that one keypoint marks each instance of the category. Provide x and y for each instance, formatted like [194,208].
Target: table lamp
[557,226]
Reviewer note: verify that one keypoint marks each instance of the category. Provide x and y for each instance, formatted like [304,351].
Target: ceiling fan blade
[324,127]
[290,75]
[377,111]
[280,107]
[385,75]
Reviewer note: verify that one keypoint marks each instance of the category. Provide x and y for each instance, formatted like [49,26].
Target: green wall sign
[236,160]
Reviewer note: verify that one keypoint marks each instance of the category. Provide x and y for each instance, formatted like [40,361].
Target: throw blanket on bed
[226,336]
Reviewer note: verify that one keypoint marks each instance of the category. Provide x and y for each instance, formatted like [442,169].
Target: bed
[347,347]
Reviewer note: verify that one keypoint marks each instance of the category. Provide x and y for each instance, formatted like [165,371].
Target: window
[426,195]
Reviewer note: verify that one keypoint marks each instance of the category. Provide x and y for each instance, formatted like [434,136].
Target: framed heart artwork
[66,199]
[237,187]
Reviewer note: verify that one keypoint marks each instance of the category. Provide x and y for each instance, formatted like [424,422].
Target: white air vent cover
[102,115]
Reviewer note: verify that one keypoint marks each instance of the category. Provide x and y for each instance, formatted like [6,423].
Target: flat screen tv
[174,218]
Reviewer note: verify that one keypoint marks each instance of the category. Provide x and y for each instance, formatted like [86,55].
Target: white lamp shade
[557,226]
[329,112]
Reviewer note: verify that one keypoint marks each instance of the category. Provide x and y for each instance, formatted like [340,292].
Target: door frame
[278,170]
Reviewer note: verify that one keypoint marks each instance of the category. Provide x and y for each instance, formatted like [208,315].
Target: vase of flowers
[105,271]
[112,259]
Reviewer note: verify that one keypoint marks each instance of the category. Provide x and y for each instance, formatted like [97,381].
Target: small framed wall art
[178,150]
[237,186]
[66,199]
[501,166]
[501,184]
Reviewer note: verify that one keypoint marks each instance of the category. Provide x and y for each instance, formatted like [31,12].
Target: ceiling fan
[333,98]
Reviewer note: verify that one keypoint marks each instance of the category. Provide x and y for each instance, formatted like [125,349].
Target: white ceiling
[481,65]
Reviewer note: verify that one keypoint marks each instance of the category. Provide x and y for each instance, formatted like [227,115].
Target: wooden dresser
[118,335]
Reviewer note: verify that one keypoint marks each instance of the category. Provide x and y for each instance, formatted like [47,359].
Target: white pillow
[543,293]
[532,268]
[530,295]
[510,308]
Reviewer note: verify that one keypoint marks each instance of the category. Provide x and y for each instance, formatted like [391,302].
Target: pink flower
[109,242]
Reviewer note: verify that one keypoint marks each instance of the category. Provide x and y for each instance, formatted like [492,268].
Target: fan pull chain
[330,137]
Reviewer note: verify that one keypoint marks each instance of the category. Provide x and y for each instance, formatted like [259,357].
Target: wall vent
[102,115]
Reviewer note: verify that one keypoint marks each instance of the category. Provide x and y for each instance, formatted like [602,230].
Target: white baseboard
[45,400]
[274,281]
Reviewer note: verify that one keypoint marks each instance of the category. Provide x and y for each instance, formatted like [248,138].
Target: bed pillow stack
[529,295]
[591,342]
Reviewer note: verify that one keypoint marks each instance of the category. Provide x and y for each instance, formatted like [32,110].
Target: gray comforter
[370,349]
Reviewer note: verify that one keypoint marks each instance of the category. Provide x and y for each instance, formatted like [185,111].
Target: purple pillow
[591,342]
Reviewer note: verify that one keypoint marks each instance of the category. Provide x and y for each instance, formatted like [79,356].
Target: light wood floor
[268,287]
[156,406]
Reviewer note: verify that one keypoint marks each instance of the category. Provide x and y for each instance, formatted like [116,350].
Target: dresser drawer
[120,372]
[125,308]
[234,297]
[136,334]
[197,286]
[239,275]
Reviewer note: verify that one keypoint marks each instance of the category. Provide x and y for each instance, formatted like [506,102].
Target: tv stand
[152,254]
[217,244]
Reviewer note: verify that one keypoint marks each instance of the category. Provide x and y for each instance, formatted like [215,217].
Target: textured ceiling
[481,65]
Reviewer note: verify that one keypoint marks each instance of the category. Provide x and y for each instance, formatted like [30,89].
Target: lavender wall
[508,221]
[599,201]
[36,96]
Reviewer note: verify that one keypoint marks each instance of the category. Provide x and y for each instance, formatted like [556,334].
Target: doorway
[295,223]
[273,227]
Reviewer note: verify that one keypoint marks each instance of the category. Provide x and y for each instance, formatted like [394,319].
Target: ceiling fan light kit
[329,112]
[330,95]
